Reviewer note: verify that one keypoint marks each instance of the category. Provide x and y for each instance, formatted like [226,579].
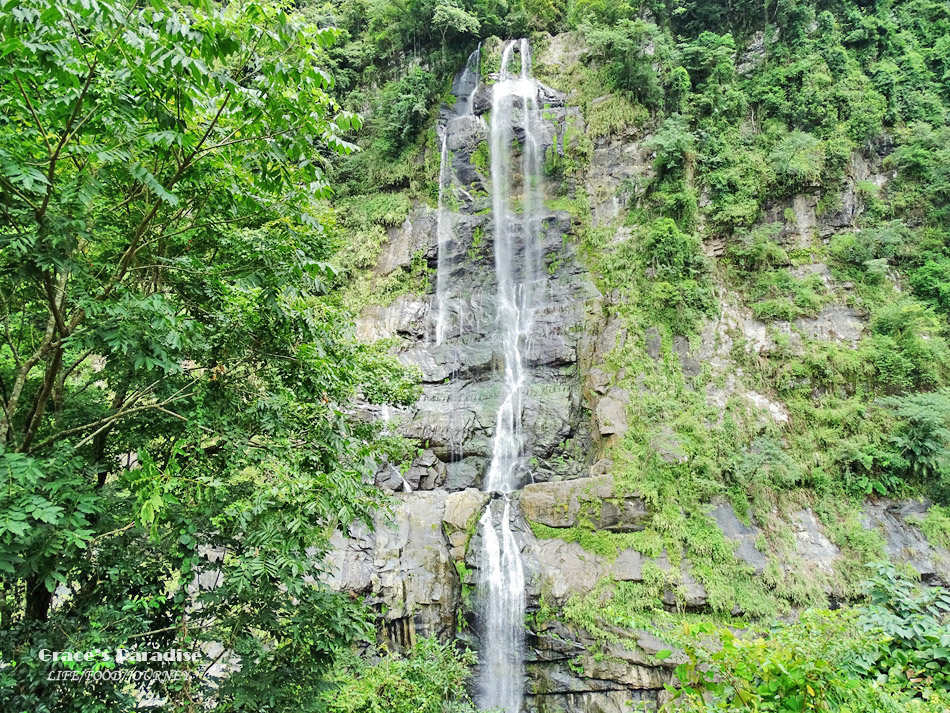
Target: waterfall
[501,670]
[442,232]
[517,258]
[464,89]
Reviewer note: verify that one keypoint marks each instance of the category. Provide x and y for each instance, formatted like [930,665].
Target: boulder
[426,472]
[592,501]
[611,417]
[898,523]
[405,315]
[462,510]
[811,543]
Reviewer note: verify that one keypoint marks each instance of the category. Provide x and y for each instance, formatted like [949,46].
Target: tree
[174,384]
[448,16]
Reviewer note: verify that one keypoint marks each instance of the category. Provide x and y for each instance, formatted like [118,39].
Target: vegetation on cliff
[186,231]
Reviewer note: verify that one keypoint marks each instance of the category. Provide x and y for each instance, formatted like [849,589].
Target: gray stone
[599,380]
[816,268]
[811,544]
[426,472]
[835,323]
[547,417]
[413,573]
[593,500]
[461,474]
[627,567]
[753,54]
[389,478]
[564,568]
[688,362]
[458,521]
[404,565]
[406,315]
[652,341]
[688,593]
[350,560]
[416,234]
[766,405]
[611,417]
[905,542]
[613,336]
[756,334]
[443,425]
[481,101]
[743,536]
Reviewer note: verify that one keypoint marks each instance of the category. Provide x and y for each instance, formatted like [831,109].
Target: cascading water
[464,88]
[442,232]
[516,241]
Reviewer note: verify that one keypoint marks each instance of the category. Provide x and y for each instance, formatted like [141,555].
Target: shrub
[404,110]
[922,435]
[798,160]
[906,348]
[915,654]
[429,679]
[890,655]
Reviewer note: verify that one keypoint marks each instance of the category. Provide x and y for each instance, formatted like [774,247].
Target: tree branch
[29,104]
[106,421]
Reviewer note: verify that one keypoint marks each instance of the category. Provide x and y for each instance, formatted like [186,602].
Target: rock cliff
[584,527]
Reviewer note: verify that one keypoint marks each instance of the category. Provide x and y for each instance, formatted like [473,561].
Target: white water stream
[517,266]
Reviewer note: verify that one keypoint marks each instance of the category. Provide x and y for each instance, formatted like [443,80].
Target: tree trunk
[38,600]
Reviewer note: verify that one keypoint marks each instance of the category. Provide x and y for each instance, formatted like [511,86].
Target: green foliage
[429,679]
[931,282]
[766,464]
[619,48]
[936,526]
[404,110]
[601,542]
[177,382]
[922,433]
[756,250]
[680,289]
[450,18]
[47,514]
[915,624]
[889,655]
[790,672]
[906,348]
[480,156]
[612,115]
[675,146]
[798,159]
[738,175]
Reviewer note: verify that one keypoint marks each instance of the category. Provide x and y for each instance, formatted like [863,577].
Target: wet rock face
[569,671]
[403,567]
[462,376]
